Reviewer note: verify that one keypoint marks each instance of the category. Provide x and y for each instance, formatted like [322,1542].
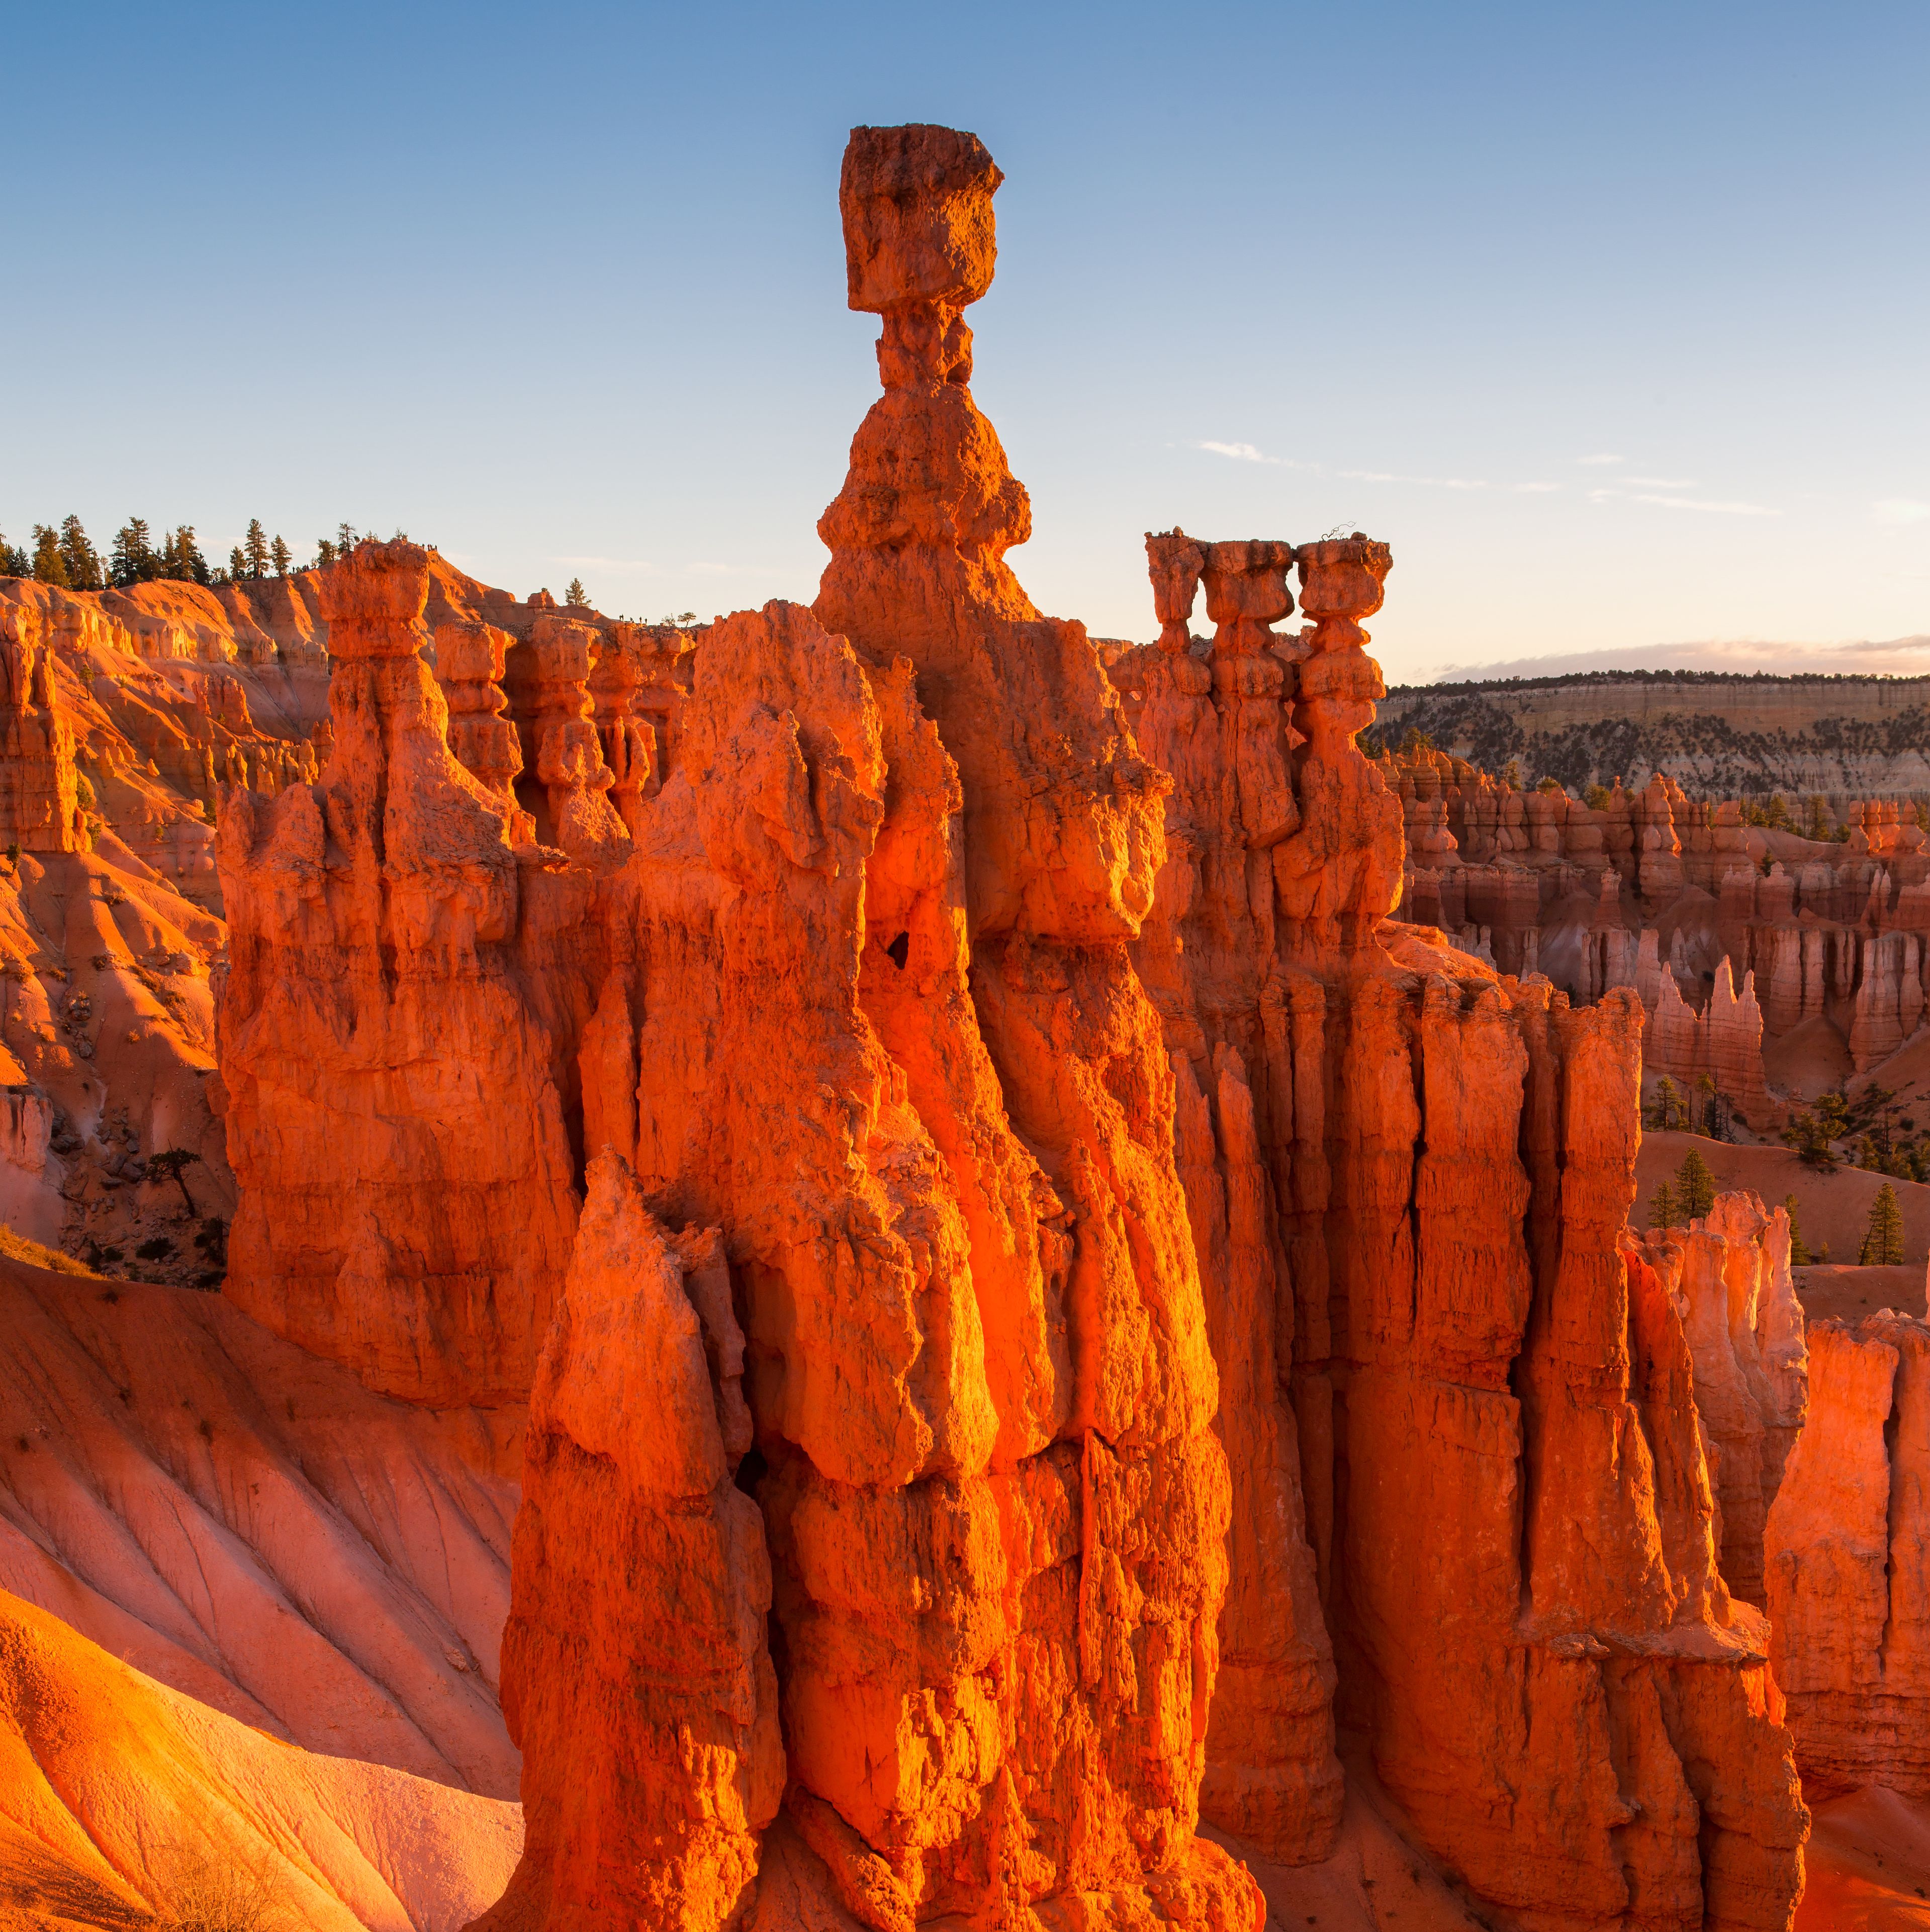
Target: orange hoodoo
[889,1134]
[1471,1505]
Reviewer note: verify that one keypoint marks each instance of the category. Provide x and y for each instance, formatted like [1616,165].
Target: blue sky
[1611,319]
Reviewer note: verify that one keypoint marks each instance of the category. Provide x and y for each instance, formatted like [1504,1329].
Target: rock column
[39,810]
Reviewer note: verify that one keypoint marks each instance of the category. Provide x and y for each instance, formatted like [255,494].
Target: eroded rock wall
[1735,935]
[1507,1500]
[1728,1273]
[1848,1560]
[399,977]
[637,1676]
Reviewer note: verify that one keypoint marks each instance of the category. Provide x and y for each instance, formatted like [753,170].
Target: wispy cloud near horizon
[1698,503]
[1900,510]
[630,566]
[1708,505]
[1244,452]
[1425,482]
[1894,657]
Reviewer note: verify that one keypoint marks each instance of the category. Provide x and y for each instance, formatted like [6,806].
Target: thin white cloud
[1665,482]
[1428,482]
[1243,452]
[1901,510]
[1713,508]
[1698,503]
[1896,657]
[1596,462]
[1535,489]
[632,565]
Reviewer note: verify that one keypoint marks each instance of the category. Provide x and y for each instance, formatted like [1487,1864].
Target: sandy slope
[1835,1294]
[1833,1208]
[112,1785]
[1868,1863]
[249,1526]
[1374,1880]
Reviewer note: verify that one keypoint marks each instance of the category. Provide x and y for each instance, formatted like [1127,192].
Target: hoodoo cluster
[1770,962]
[1039,1311]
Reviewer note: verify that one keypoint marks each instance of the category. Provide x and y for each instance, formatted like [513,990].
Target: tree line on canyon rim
[65,558]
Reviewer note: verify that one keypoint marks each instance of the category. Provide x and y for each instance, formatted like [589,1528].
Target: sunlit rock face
[882,1337]
[1848,1581]
[1473,1517]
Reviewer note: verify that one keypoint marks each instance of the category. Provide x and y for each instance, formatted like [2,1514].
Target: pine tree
[1697,1186]
[14,562]
[345,538]
[576,594]
[50,565]
[84,572]
[325,552]
[133,560]
[238,564]
[1662,1212]
[281,557]
[1799,1250]
[1812,1131]
[1667,1113]
[1882,1240]
[255,548]
[180,559]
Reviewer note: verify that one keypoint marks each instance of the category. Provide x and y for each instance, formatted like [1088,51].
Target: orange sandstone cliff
[396,1099]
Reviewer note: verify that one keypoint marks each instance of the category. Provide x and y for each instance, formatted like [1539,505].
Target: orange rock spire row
[1471,1506]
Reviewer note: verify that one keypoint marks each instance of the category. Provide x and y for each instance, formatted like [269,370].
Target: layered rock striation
[1728,1274]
